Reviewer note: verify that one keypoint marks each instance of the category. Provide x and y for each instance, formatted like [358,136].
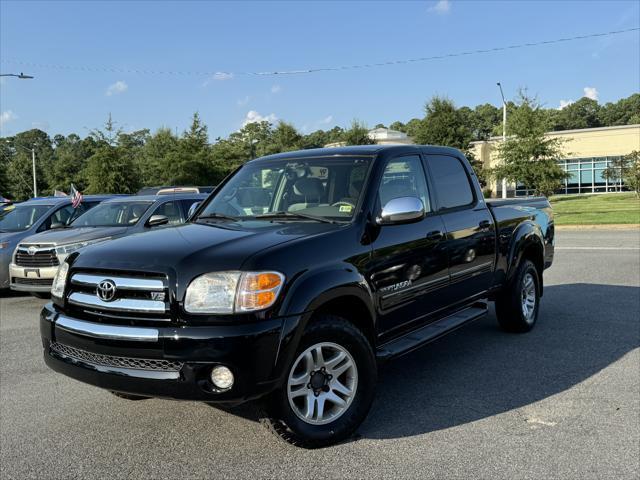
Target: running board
[431,332]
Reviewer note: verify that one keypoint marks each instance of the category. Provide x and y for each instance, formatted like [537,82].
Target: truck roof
[360,150]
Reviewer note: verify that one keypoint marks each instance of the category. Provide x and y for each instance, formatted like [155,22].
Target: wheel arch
[527,244]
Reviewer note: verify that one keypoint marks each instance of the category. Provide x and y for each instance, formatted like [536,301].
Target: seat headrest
[308,187]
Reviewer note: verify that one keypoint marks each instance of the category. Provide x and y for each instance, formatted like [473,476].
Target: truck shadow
[479,371]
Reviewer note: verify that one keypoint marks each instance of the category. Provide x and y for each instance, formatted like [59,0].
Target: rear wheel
[329,387]
[517,307]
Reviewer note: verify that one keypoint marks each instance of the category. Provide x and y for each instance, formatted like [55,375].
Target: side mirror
[192,209]
[401,210]
[56,225]
[156,220]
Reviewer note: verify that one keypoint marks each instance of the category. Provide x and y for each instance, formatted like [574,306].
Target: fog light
[222,377]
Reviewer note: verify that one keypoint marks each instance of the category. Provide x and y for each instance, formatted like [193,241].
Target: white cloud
[243,101]
[6,117]
[276,89]
[218,77]
[254,117]
[327,119]
[591,92]
[564,103]
[117,88]
[442,7]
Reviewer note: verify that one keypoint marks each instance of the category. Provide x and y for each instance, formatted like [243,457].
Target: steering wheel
[343,202]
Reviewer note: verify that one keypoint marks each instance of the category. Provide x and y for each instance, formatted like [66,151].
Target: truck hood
[192,249]
[64,236]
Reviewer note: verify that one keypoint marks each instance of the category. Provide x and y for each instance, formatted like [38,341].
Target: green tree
[70,160]
[528,156]
[20,166]
[444,125]
[585,113]
[627,169]
[109,170]
[625,111]
[191,163]
[357,134]
[154,156]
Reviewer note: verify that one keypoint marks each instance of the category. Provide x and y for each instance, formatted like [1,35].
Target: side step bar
[417,338]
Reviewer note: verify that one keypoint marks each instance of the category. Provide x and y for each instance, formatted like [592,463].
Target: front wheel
[517,307]
[329,387]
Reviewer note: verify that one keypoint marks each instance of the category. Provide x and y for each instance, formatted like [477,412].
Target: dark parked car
[33,216]
[294,279]
[36,259]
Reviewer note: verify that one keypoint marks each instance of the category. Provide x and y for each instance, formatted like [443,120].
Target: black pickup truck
[294,279]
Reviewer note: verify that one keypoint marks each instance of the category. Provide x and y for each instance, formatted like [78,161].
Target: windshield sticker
[345,209]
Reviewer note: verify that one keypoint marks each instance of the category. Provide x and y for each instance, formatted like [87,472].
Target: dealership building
[589,152]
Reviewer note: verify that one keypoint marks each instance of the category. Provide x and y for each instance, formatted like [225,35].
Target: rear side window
[450,180]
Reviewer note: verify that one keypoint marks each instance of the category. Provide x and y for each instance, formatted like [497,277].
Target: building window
[585,176]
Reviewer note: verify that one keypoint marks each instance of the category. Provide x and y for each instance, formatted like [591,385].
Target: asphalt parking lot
[560,402]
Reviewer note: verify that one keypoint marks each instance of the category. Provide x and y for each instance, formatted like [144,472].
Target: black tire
[283,421]
[128,396]
[509,304]
[41,294]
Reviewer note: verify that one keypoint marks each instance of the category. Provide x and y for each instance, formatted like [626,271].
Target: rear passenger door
[470,233]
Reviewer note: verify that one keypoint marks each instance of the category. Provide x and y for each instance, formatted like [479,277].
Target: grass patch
[596,209]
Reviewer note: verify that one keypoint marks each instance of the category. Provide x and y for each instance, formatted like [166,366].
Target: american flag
[76,197]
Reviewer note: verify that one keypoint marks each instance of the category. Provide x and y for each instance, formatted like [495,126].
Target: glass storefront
[585,177]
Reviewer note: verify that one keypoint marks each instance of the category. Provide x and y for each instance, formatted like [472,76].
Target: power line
[226,75]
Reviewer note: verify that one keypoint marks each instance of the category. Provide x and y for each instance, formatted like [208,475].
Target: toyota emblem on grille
[32,250]
[106,290]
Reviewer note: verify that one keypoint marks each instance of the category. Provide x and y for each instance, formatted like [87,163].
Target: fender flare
[309,292]
[527,234]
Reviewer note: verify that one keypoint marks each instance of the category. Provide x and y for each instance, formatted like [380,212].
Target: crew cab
[295,279]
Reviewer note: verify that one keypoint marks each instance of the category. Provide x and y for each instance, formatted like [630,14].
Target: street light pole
[504,135]
[33,163]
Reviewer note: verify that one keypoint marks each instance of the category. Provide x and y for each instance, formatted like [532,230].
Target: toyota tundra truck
[295,279]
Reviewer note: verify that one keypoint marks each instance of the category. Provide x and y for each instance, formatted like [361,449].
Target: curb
[612,226]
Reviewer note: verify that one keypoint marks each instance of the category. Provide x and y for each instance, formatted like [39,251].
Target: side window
[186,205]
[450,180]
[62,216]
[171,210]
[404,177]
[83,207]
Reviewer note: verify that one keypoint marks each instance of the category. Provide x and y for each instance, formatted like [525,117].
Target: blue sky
[259,36]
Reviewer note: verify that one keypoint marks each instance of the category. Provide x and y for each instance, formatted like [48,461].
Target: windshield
[22,217]
[114,214]
[327,187]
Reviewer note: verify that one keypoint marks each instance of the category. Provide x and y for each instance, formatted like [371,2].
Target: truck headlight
[59,281]
[233,292]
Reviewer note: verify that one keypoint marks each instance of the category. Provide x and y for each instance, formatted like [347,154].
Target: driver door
[408,266]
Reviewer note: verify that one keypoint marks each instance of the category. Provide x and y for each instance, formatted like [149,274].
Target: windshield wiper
[283,214]
[218,216]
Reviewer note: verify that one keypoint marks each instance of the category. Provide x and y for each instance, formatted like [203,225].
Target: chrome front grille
[36,256]
[98,359]
[129,296]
